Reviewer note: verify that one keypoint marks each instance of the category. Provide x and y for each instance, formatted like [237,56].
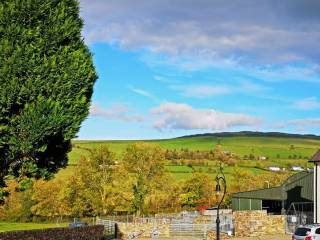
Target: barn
[300,193]
[277,200]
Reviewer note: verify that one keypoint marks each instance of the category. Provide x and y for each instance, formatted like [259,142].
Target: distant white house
[297,168]
[227,152]
[274,169]
[262,158]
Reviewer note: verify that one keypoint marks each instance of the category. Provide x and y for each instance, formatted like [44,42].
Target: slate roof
[316,157]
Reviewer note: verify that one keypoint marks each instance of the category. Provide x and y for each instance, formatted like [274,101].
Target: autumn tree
[82,192]
[49,199]
[164,198]
[198,190]
[98,184]
[17,202]
[145,162]
[243,180]
[247,181]
[46,78]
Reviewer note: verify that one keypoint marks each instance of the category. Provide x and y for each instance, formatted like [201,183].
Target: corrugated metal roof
[316,157]
[266,194]
[302,182]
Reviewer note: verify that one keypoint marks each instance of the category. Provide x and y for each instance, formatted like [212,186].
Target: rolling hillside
[281,149]
[241,143]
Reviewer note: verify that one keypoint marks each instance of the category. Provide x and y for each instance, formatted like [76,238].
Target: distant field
[185,172]
[9,226]
[259,146]
[279,150]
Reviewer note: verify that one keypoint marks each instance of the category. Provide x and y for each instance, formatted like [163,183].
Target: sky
[170,68]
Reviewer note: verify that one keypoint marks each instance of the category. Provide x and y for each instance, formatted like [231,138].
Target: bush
[79,233]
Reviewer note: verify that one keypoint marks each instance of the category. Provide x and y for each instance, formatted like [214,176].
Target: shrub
[79,233]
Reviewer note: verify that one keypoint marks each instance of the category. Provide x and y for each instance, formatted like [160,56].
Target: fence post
[116,230]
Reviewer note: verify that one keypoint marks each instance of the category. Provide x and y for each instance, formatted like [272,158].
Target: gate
[110,227]
[196,231]
[299,213]
[186,228]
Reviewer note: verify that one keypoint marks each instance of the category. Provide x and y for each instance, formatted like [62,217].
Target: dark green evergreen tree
[46,82]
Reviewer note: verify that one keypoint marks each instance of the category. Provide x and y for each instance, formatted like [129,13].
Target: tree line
[100,185]
[137,183]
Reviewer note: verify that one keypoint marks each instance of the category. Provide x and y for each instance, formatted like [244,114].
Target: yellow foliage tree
[145,163]
[165,197]
[247,181]
[98,185]
[199,190]
[49,199]
[17,203]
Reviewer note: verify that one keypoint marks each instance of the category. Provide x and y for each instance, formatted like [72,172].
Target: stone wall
[211,235]
[142,230]
[257,223]
[246,224]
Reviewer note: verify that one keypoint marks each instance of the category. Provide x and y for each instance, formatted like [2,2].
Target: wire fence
[299,213]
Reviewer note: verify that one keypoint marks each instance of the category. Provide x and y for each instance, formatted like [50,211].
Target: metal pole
[218,224]
[223,179]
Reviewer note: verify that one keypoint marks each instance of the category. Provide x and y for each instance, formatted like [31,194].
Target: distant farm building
[297,168]
[274,169]
[297,188]
[299,193]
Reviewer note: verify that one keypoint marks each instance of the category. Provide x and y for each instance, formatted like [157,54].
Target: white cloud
[115,112]
[143,93]
[269,31]
[161,79]
[307,122]
[183,116]
[304,73]
[204,91]
[269,73]
[310,103]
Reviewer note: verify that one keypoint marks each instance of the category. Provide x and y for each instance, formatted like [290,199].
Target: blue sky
[180,67]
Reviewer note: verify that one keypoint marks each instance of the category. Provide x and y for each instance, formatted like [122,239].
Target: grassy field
[10,226]
[185,172]
[259,146]
[279,150]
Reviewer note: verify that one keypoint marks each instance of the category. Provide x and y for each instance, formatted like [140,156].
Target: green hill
[281,149]
[272,145]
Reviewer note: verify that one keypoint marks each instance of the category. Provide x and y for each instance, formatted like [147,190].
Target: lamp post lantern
[220,178]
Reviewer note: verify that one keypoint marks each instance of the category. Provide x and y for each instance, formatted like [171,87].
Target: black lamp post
[220,178]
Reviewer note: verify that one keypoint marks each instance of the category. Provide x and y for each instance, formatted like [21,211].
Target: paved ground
[273,237]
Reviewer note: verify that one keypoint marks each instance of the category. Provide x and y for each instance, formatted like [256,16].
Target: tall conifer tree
[46,82]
